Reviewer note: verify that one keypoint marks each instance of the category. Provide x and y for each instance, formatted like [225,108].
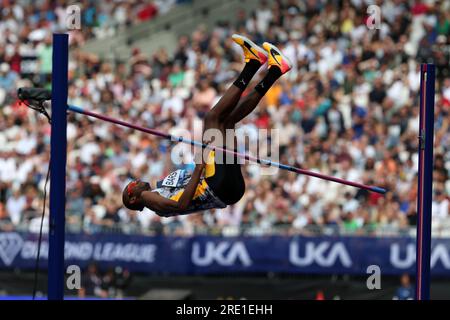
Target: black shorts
[227,182]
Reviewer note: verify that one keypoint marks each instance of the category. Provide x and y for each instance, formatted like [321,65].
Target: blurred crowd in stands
[349,108]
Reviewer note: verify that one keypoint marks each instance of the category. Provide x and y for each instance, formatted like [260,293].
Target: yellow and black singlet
[173,185]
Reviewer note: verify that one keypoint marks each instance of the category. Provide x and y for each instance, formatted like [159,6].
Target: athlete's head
[131,195]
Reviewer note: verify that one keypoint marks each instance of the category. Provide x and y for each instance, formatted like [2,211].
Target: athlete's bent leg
[255,57]
[278,65]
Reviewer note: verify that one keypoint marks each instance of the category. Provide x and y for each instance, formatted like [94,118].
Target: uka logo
[408,258]
[324,254]
[223,253]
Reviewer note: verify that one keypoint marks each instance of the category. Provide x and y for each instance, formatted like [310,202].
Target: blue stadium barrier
[230,255]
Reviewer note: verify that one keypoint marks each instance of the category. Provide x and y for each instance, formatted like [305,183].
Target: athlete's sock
[270,78]
[247,74]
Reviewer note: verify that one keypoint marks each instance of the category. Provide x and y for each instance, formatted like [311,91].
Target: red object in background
[263,121]
[320,295]
[15,61]
[300,103]
[20,109]
[147,12]
[364,22]
[445,102]
[374,197]
[419,8]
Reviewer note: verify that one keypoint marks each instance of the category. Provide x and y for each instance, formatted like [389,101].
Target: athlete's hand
[199,164]
[201,157]
[201,168]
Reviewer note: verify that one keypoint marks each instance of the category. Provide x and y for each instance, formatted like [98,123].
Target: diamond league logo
[10,245]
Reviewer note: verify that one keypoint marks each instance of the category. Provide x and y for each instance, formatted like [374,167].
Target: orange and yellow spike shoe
[251,50]
[276,58]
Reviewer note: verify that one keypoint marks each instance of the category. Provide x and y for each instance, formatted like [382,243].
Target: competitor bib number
[172,179]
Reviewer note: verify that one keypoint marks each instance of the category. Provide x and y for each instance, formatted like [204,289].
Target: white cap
[4,67]
[95,179]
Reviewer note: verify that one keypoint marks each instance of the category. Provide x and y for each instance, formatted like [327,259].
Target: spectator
[156,227]
[44,51]
[15,206]
[122,279]
[5,220]
[204,96]
[406,290]
[91,284]
[111,217]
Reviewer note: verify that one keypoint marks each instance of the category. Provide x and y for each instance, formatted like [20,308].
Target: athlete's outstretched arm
[189,191]
[157,203]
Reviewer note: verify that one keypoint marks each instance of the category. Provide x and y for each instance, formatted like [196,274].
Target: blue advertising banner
[209,254]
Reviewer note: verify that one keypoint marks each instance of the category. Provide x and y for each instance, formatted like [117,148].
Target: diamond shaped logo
[10,246]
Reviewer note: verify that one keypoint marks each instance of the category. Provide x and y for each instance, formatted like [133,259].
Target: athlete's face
[133,192]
